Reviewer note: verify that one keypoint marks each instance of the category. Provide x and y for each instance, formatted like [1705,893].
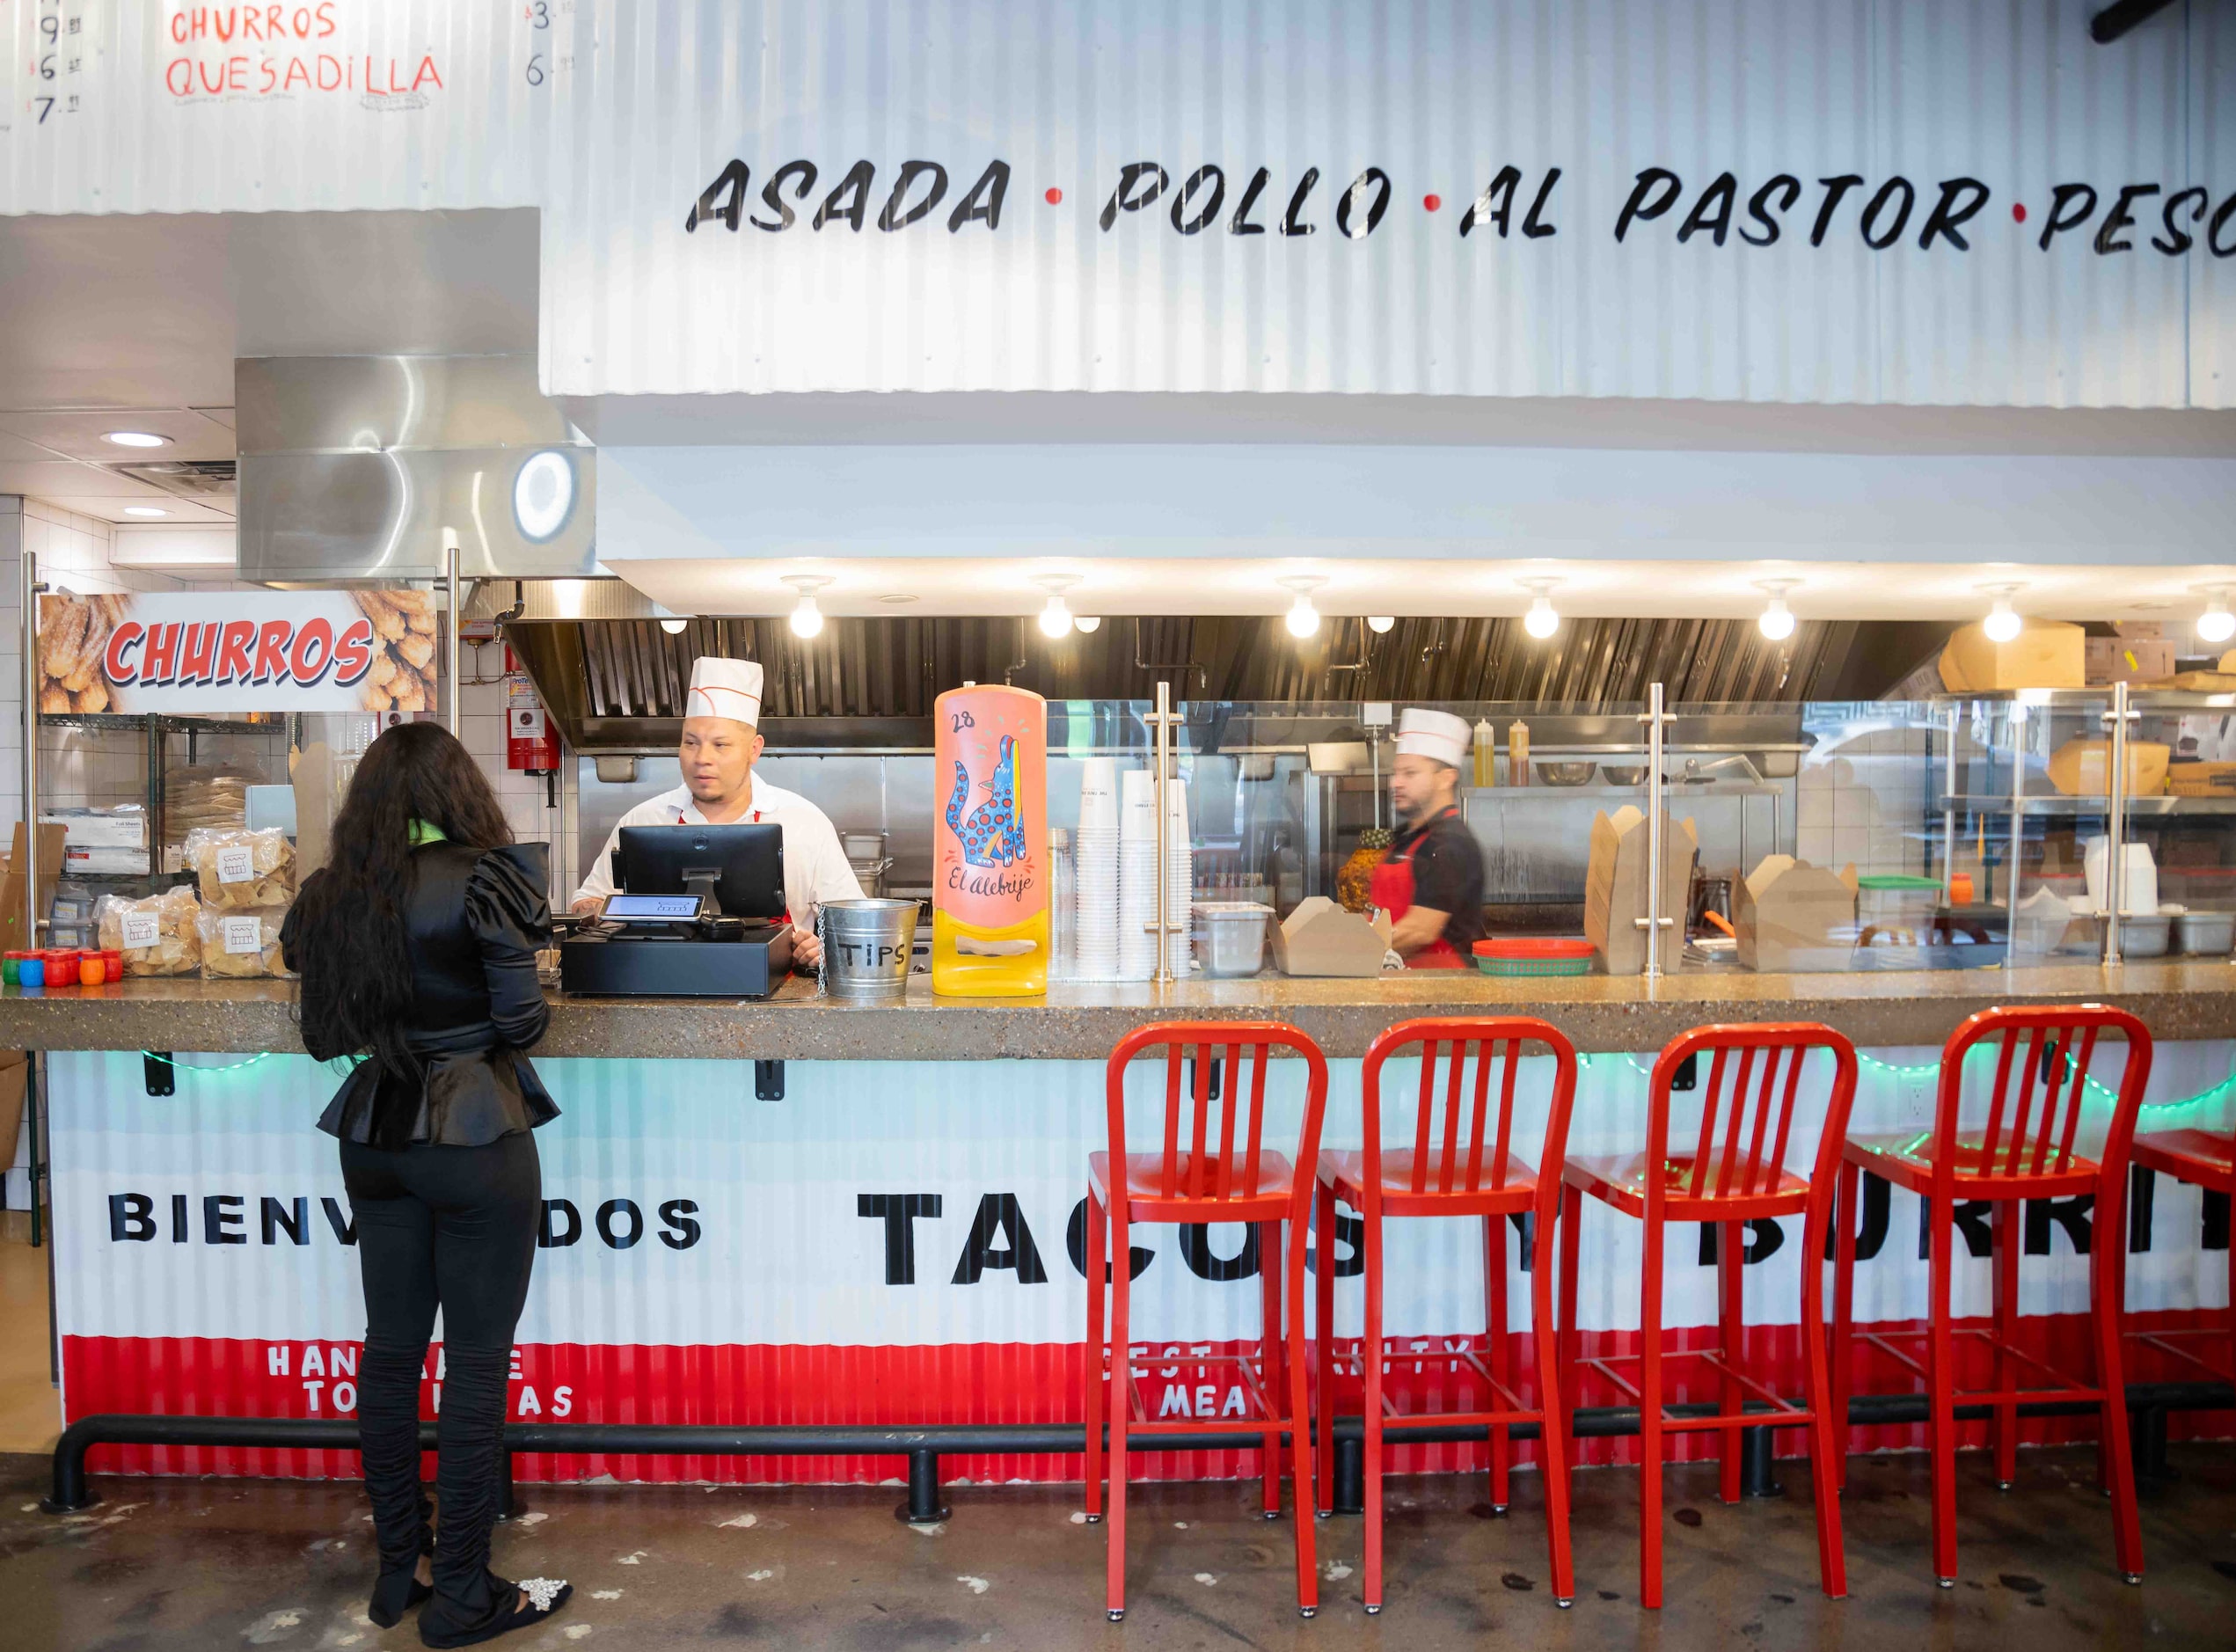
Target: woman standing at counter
[1431,882]
[417,946]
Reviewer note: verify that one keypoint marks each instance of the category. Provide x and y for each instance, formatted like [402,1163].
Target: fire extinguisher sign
[530,742]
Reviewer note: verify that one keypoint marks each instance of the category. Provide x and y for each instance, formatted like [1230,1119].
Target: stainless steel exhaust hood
[360,467]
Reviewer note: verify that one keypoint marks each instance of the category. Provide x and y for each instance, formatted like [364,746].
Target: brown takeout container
[1793,916]
[1615,888]
[1320,939]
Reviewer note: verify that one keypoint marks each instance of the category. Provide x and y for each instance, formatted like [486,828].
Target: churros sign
[240,651]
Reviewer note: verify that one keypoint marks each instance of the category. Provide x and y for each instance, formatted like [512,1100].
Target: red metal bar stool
[1733,1173]
[2209,1161]
[2026,1152]
[1455,1169]
[1213,1167]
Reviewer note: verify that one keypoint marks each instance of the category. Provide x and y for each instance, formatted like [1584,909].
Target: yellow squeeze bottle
[990,868]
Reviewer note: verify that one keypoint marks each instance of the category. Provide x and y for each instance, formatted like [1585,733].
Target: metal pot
[1230,937]
[2207,932]
[871,874]
[1565,773]
[863,846]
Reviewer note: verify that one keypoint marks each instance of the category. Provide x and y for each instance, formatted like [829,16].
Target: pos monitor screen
[739,866]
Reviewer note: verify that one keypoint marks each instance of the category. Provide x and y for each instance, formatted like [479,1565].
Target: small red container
[61,966]
[113,965]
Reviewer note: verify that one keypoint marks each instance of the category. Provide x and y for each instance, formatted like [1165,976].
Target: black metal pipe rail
[923,1447]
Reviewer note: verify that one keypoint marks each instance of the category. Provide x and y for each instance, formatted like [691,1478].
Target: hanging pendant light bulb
[1542,619]
[1776,621]
[2215,624]
[1380,624]
[2003,623]
[1084,623]
[806,617]
[1304,618]
[1055,619]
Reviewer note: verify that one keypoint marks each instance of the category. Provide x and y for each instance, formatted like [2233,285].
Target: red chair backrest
[1465,1144]
[2035,1109]
[1749,1080]
[1213,1144]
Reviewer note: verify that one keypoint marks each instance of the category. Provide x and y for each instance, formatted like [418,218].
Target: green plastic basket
[1533,955]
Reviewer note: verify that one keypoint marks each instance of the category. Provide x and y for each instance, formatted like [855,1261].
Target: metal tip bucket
[866,947]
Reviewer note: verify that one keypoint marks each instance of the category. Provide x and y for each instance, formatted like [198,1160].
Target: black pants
[454,1227]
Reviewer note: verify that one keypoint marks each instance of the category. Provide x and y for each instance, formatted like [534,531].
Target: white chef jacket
[815,865]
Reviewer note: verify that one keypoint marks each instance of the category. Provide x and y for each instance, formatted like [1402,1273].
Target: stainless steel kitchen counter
[2193,999]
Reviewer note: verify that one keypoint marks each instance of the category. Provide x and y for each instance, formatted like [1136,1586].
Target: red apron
[1392,890]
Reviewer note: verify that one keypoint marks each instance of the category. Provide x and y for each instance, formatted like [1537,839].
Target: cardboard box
[1615,889]
[2083,768]
[1320,939]
[2111,660]
[12,889]
[13,1071]
[1793,916]
[100,828]
[2046,654]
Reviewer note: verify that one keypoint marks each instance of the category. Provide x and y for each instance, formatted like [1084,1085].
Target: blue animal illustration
[991,835]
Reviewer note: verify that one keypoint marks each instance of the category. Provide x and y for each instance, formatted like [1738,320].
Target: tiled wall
[526,798]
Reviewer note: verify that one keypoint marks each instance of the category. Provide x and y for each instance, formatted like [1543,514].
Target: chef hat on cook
[1437,736]
[724,688]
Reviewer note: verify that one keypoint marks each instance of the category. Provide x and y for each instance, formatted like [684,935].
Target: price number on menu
[241,934]
[60,58]
[237,864]
[538,14]
[141,929]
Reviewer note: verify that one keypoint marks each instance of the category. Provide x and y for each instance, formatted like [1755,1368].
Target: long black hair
[348,919]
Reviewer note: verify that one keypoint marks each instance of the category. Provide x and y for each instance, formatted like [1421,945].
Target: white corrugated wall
[1438,95]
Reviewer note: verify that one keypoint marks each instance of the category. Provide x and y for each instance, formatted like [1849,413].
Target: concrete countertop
[2194,1000]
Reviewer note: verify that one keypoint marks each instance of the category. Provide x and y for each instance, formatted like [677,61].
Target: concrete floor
[226,1563]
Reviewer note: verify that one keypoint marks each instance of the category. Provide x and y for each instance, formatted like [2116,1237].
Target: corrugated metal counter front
[901,1243]
[1082,1021]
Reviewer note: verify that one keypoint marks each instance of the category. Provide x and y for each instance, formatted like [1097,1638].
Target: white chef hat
[1437,736]
[724,688]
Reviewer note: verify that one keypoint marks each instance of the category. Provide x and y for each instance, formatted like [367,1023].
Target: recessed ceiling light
[145,510]
[897,599]
[135,439]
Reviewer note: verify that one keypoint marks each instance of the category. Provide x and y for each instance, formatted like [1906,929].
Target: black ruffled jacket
[474,923]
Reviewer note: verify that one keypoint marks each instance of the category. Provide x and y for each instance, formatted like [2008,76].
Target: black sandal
[397,1592]
[546,1595]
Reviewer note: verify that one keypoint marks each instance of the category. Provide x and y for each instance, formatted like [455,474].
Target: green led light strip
[230,1066]
[1931,1069]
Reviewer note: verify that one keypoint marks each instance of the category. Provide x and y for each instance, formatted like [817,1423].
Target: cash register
[698,913]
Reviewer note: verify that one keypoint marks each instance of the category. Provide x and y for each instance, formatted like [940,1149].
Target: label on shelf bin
[141,929]
[236,863]
[241,934]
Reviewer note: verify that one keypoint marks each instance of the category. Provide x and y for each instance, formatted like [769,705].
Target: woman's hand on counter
[806,951]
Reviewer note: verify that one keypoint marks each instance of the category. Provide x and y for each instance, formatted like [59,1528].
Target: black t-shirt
[1447,876]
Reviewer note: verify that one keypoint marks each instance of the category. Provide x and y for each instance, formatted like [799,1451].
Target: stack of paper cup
[1179,876]
[1136,876]
[1094,933]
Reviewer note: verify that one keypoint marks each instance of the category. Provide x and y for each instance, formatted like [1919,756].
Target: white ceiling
[133,321]
[977,586]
